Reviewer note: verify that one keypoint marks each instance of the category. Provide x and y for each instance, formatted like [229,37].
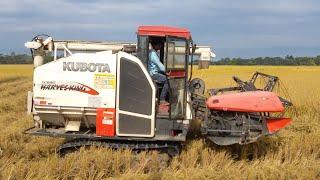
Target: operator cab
[174,55]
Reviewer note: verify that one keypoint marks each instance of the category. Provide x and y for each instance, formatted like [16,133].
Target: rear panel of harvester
[71,88]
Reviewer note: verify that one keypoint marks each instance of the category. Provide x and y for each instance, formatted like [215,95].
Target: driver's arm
[155,59]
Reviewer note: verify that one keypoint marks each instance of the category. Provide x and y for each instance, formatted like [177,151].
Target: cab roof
[163,31]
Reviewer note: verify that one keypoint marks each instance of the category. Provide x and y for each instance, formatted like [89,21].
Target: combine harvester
[104,96]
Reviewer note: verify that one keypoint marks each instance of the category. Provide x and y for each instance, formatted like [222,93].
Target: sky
[234,28]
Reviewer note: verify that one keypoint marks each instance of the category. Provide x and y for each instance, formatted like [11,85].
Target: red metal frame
[163,31]
[177,73]
[105,122]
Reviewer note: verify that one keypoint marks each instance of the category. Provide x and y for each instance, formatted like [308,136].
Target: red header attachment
[253,101]
[275,125]
[163,31]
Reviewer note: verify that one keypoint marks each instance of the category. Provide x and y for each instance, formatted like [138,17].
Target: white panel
[29,102]
[80,80]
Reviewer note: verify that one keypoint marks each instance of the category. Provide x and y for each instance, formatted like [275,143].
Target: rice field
[294,153]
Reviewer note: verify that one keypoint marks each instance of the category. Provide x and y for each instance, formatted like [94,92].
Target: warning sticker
[94,101]
[107,121]
[104,81]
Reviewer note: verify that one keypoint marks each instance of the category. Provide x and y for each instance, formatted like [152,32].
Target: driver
[157,69]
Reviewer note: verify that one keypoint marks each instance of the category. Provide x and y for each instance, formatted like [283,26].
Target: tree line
[14,58]
[275,61]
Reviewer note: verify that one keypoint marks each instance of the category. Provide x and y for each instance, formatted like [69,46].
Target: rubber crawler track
[171,148]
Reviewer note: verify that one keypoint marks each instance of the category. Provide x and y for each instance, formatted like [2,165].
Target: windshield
[176,54]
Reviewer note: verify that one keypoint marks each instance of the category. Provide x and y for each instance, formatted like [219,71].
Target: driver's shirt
[155,66]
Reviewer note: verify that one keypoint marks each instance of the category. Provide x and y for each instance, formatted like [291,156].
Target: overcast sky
[235,28]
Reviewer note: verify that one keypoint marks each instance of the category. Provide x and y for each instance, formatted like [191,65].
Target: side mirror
[194,47]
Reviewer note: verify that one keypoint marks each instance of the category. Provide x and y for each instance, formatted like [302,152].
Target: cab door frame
[130,120]
[185,77]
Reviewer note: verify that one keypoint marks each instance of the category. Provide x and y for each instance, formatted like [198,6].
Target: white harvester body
[69,91]
[79,80]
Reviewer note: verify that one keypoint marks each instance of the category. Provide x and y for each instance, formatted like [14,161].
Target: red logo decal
[88,90]
[71,86]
